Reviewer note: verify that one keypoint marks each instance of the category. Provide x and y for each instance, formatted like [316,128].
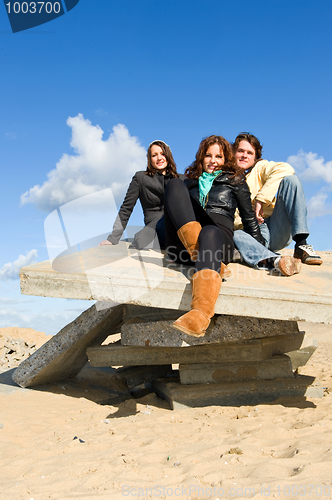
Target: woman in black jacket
[199,216]
[148,187]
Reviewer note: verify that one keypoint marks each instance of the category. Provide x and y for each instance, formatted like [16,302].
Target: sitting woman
[149,187]
[199,216]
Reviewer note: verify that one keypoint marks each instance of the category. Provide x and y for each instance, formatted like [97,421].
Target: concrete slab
[133,314]
[236,393]
[64,355]
[251,350]
[102,377]
[222,329]
[148,278]
[276,367]
[137,375]
[301,356]
[123,378]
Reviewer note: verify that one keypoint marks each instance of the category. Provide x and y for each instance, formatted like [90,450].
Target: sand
[63,442]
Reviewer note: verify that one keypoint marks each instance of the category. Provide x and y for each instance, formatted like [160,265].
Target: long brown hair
[171,166]
[195,170]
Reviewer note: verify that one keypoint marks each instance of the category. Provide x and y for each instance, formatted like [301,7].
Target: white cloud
[317,205]
[48,321]
[10,270]
[310,167]
[7,301]
[45,314]
[40,316]
[97,165]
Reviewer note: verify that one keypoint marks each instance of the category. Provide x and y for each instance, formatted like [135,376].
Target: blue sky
[94,87]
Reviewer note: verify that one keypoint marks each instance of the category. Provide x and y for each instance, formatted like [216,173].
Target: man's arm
[269,175]
[263,182]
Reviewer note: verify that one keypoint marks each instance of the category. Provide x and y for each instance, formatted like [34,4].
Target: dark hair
[171,166]
[195,170]
[253,141]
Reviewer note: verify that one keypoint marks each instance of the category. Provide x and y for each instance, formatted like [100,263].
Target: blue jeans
[288,219]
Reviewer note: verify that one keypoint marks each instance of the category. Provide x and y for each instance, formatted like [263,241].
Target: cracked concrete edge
[64,355]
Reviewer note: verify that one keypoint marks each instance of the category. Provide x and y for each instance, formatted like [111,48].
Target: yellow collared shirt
[263,181]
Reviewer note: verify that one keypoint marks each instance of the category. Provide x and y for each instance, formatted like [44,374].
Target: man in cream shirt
[279,204]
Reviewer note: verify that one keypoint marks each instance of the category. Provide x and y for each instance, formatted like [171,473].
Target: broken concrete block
[301,356]
[250,392]
[133,313]
[222,328]
[210,373]
[64,355]
[103,377]
[250,350]
[134,376]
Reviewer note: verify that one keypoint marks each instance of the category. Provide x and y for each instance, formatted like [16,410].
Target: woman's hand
[105,242]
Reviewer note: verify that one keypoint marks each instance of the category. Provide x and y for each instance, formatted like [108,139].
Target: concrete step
[269,369]
[252,392]
[251,350]
[223,328]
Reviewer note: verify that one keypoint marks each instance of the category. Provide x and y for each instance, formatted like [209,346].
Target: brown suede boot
[188,235]
[287,265]
[205,292]
[224,271]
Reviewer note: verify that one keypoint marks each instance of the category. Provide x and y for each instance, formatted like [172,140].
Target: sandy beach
[66,441]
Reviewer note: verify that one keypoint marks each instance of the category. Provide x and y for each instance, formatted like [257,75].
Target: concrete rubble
[250,353]
[14,351]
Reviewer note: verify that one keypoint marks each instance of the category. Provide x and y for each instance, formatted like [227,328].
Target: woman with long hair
[199,217]
[148,187]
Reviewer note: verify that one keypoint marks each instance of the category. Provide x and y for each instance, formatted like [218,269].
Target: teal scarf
[205,182]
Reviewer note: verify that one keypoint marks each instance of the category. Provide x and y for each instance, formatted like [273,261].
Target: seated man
[279,203]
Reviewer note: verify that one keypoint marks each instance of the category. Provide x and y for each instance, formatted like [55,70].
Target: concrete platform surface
[148,278]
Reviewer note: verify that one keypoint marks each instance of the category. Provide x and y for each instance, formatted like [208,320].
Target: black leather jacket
[224,197]
[150,191]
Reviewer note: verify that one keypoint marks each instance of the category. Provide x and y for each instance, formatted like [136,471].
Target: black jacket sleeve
[250,223]
[125,211]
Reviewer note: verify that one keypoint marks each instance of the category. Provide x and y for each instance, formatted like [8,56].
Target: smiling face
[245,155]
[214,159]
[158,159]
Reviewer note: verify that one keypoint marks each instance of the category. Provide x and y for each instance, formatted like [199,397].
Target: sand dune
[62,442]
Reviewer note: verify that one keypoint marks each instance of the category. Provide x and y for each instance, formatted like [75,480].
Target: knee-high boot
[188,235]
[205,291]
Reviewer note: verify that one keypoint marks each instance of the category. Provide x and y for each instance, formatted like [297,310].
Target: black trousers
[215,241]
